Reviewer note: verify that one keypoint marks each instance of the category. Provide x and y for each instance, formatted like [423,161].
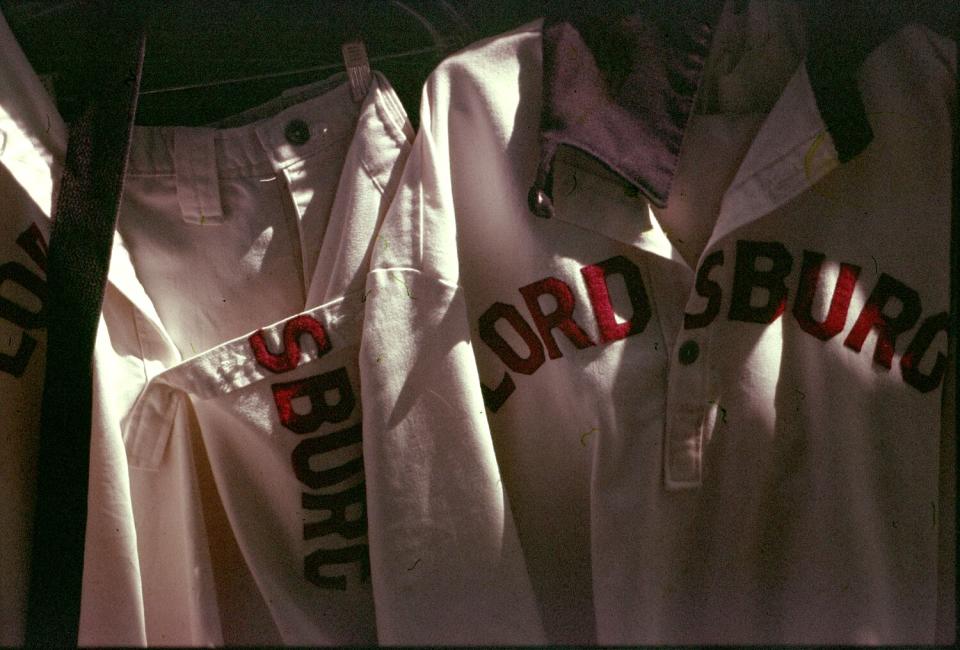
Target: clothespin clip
[358,68]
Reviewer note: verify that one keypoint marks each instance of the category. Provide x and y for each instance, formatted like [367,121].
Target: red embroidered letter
[888,327]
[839,304]
[561,317]
[595,277]
[289,357]
[490,336]
[709,290]
[919,346]
[315,389]
[746,277]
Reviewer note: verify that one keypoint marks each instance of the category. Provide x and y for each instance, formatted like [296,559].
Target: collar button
[688,352]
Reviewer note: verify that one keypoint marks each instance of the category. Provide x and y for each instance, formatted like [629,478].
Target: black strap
[79,255]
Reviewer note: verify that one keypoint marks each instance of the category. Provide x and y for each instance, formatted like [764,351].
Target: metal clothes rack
[287,73]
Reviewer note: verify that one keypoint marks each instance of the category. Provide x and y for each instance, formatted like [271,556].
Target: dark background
[288,43]
[209,41]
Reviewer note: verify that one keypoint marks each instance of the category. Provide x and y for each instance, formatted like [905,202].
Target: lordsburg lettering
[331,401]
[891,310]
[25,318]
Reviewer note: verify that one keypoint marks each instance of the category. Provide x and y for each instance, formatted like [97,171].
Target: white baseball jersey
[226,378]
[574,434]
[32,144]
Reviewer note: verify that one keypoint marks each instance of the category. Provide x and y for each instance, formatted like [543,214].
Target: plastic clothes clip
[358,68]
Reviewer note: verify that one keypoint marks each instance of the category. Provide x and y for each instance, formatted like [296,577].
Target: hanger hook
[438,41]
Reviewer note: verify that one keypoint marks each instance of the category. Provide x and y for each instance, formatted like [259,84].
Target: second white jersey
[574,435]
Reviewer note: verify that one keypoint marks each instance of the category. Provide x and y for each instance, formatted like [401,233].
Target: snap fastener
[297,132]
[540,203]
[689,352]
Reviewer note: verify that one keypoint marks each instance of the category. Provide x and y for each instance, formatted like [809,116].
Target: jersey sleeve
[446,561]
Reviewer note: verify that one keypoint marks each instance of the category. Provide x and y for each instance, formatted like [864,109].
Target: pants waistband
[298,124]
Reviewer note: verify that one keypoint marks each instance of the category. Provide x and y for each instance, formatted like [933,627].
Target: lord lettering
[14,273]
[488,334]
[560,318]
[596,277]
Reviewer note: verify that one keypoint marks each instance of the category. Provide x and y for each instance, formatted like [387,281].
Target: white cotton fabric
[205,543]
[32,144]
[778,488]
[33,137]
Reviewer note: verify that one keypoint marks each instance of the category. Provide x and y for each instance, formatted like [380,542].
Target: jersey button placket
[685,414]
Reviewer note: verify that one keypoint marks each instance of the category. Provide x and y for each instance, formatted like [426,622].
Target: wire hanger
[441,44]
[285,73]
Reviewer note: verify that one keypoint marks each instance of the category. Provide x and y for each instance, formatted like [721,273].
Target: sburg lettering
[333,499]
[892,309]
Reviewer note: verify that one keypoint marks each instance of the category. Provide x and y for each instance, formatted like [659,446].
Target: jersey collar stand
[621,86]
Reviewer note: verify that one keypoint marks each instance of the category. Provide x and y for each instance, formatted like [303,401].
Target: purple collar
[619,83]
[620,78]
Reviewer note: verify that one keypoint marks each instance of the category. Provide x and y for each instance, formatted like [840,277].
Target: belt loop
[198,184]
